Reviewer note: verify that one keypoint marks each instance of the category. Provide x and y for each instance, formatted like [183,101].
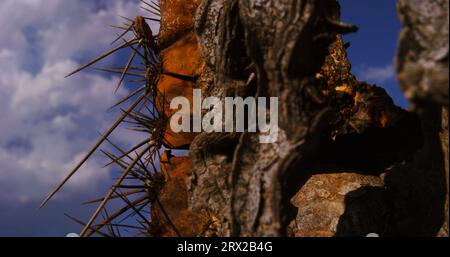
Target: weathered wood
[245,184]
[328,119]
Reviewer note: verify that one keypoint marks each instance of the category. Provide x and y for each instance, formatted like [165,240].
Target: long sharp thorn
[121,151]
[120,163]
[180,76]
[127,155]
[137,51]
[132,192]
[100,58]
[152,19]
[153,5]
[150,11]
[113,216]
[117,214]
[126,18]
[127,97]
[130,151]
[120,72]
[117,161]
[147,172]
[118,68]
[126,226]
[123,34]
[118,149]
[125,199]
[99,142]
[156,3]
[132,214]
[131,187]
[146,101]
[139,130]
[122,77]
[113,189]
[83,224]
[108,226]
[154,8]
[118,27]
[137,80]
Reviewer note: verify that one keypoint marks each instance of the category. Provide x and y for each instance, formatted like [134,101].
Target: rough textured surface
[444,140]
[170,213]
[413,197]
[296,53]
[348,162]
[247,188]
[422,61]
[322,202]
[176,19]
[422,65]
[250,178]
[182,65]
[180,73]
[367,131]
[357,105]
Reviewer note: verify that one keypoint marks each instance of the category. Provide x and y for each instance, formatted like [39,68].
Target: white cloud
[376,74]
[47,122]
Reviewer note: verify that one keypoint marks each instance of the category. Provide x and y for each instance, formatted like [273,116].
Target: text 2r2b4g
[246,246]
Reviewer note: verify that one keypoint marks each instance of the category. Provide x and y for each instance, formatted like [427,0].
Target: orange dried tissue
[182,64]
[183,57]
[177,19]
[175,217]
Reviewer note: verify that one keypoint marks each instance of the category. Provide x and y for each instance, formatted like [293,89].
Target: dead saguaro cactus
[286,54]
[347,162]
[332,125]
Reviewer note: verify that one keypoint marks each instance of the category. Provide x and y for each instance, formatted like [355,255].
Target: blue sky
[48,122]
[374,46]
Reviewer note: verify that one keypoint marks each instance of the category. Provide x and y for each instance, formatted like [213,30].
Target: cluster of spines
[140,178]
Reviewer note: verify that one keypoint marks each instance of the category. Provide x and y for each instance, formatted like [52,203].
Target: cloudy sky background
[47,122]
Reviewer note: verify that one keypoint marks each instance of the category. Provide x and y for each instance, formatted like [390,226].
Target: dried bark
[327,117]
[242,183]
[422,60]
[422,66]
